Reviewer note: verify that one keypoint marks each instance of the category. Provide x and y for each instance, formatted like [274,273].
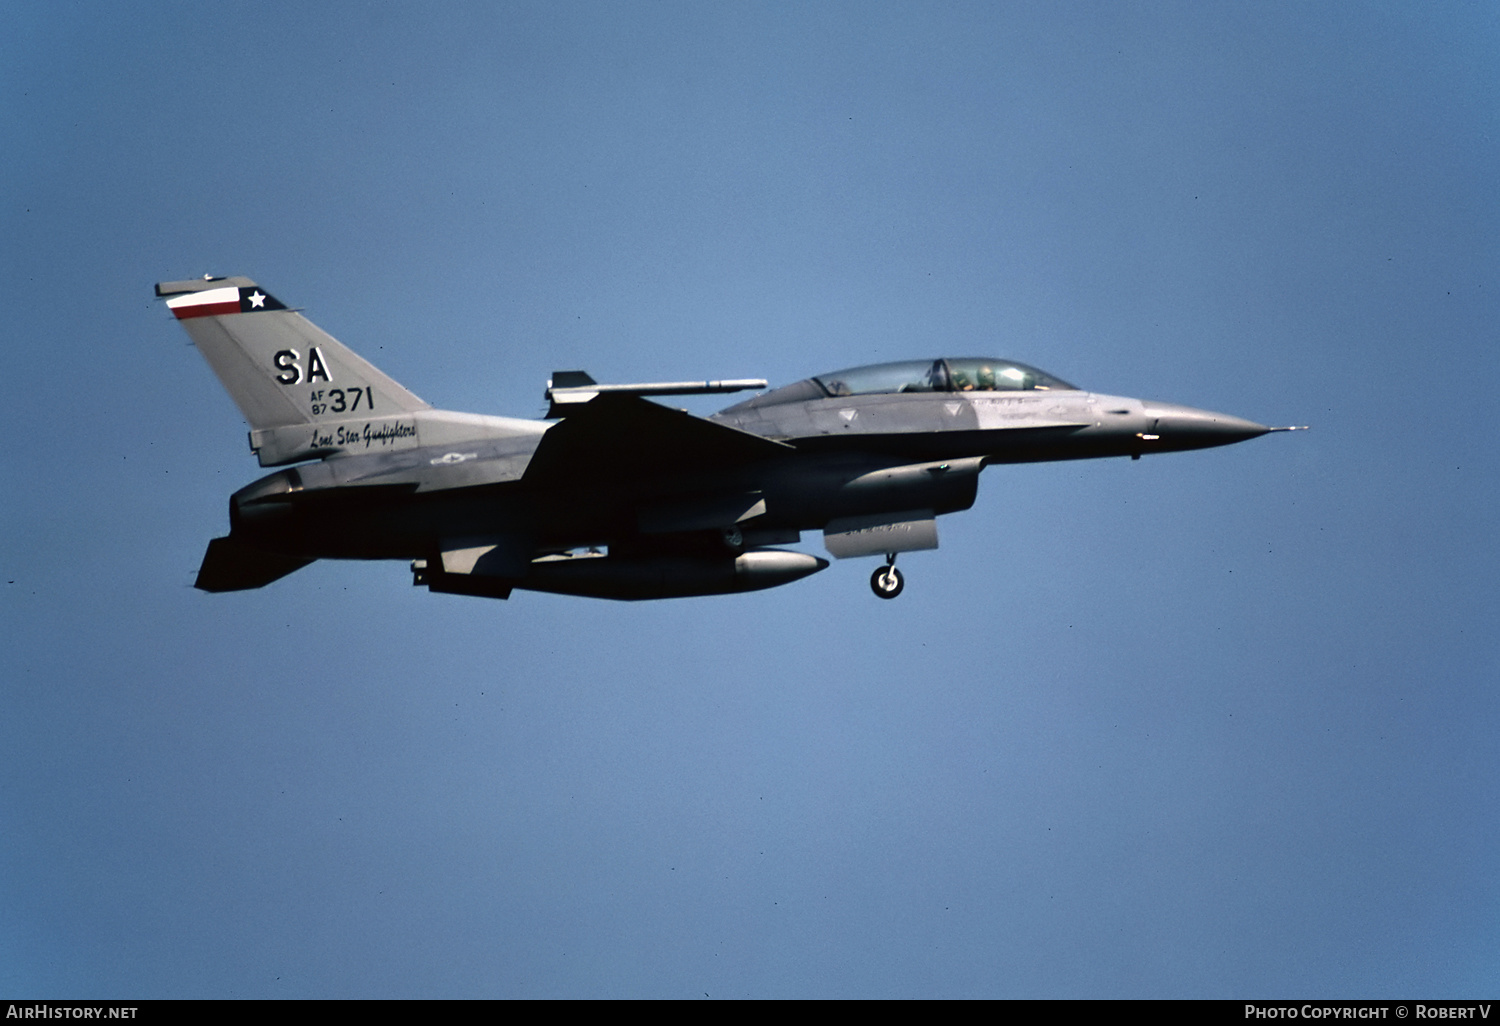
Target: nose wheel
[887,581]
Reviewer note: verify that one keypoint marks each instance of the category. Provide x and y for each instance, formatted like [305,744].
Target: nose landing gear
[887,581]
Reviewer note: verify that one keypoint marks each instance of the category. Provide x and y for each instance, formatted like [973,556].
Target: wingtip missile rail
[574,388]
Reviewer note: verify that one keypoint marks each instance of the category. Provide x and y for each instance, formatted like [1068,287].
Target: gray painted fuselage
[847,458]
[623,497]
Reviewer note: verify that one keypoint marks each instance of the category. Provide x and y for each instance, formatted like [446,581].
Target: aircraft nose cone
[1183,427]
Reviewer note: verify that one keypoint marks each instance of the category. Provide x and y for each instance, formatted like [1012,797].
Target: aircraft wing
[626,436]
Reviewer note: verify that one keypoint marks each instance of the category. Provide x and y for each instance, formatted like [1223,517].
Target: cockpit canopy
[966,374]
[969,374]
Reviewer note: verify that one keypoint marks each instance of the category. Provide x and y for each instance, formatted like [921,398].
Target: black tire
[887,582]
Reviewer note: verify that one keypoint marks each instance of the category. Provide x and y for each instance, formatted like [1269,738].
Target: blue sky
[1208,724]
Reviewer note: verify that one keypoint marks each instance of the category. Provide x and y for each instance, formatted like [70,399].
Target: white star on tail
[257,300]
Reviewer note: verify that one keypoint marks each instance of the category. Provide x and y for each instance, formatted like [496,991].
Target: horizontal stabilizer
[626,436]
[231,565]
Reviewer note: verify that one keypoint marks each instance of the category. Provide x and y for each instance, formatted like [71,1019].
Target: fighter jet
[613,495]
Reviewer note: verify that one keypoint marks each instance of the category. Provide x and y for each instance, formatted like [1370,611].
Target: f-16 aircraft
[613,495]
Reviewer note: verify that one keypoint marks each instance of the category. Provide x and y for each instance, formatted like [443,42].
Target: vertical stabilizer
[278,367]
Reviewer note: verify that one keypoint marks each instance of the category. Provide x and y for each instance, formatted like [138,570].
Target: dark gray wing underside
[621,436]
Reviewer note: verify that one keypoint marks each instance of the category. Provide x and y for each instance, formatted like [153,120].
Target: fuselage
[876,452]
[620,497]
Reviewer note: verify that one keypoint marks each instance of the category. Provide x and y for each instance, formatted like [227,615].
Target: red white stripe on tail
[218,302]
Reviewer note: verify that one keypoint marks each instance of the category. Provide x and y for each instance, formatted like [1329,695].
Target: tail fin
[279,368]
